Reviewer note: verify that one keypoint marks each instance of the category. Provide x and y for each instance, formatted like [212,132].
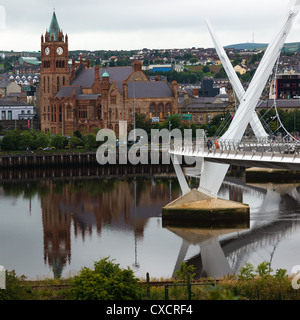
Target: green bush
[261,284]
[16,288]
[185,272]
[106,282]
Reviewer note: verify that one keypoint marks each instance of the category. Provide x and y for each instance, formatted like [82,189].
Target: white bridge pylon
[238,88]
[213,174]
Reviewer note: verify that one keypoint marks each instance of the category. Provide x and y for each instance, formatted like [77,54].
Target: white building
[15,110]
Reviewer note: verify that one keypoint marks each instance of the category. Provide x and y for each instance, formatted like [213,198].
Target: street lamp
[170,126]
[110,118]
[134,137]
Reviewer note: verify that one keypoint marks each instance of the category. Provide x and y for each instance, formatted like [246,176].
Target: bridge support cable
[288,135]
[280,126]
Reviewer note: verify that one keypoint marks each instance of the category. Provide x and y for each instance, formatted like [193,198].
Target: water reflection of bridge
[87,205]
[226,251]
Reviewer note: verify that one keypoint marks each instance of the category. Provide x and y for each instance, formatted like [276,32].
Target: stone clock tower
[54,73]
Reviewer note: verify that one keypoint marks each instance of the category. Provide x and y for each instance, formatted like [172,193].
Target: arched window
[113,98]
[160,110]
[152,110]
[69,112]
[99,111]
[57,84]
[60,114]
[168,109]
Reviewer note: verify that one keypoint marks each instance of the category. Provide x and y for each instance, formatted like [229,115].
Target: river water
[52,227]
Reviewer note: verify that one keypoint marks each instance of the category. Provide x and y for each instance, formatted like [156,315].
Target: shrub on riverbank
[107,281]
[16,288]
[261,284]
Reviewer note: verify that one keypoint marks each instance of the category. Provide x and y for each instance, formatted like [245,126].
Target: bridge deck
[283,156]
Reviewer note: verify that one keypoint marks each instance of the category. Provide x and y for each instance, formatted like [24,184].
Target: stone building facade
[86,99]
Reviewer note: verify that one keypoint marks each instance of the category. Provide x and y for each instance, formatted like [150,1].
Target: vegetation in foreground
[108,281]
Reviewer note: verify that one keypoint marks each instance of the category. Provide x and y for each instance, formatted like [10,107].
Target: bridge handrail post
[279,147]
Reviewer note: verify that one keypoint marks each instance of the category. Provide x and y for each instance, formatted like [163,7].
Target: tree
[141,122]
[187,56]
[11,140]
[106,282]
[173,122]
[58,141]
[206,69]
[43,140]
[74,142]
[193,60]
[90,141]
[27,140]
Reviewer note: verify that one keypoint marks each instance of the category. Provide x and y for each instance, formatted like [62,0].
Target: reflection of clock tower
[54,72]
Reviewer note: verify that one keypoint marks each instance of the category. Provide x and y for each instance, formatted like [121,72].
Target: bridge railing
[279,146]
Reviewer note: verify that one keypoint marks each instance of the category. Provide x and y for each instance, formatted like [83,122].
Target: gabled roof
[12,103]
[67,92]
[5,83]
[147,89]
[54,27]
[85,77]
[88,97]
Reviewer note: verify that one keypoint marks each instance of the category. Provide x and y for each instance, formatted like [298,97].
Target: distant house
[27,65]
[28,61]
[203,109]
[240,69]
[7,87]
[15,110]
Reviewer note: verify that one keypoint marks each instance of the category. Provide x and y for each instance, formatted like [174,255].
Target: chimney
[125,89]
[97,84]
[195,92]
[174,89]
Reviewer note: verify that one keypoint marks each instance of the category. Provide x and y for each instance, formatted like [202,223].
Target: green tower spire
[105,74]
[54,27]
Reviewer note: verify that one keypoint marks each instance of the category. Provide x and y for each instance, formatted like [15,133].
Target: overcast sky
[137,24]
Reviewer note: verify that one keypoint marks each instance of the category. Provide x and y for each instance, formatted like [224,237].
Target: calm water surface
[54,227]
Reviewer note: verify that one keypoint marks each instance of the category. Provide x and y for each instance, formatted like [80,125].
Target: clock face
[47,51]
[59,50]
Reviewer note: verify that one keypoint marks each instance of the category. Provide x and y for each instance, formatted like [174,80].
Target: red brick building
[85,99]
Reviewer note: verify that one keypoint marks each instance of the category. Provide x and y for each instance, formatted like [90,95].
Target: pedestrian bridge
[213,164]
[275,155]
